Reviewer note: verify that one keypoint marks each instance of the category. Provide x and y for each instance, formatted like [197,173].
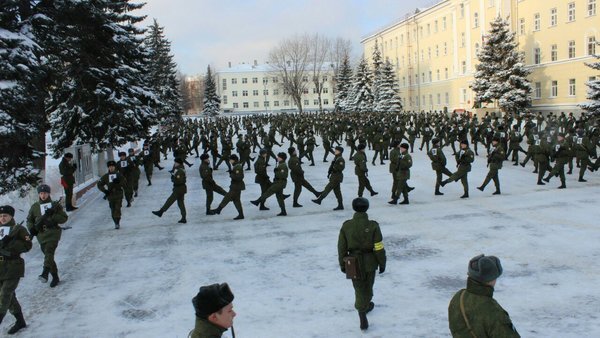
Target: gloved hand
[33,232]
[117,180]
[381,269]
[105,195]
[74,166]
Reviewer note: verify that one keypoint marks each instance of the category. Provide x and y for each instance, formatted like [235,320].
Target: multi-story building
[435,50]
[254,88]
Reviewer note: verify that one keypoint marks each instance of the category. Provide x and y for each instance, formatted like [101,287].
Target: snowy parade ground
[139,281]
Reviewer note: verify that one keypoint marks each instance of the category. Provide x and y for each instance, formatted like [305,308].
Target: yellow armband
[378,246]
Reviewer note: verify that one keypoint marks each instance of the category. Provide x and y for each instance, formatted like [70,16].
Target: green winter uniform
[47,229]
[209,184]
[438,164]
[179,190]
[262,178]
[581,146]
[464,158]
[111,184]
[279,183]
[336,177]
[206,329]
[126,168]
[394,158]
[148,162]
[297,175]
[496,156]
[362,238]
[67,171]
[486,317]
[235,189]
[135,172]
[15,241]
[361,171]
[402,175]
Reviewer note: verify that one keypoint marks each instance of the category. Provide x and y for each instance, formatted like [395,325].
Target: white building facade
[258,88]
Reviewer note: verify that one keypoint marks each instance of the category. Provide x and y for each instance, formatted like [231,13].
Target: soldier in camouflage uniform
[43,221]
[473,312]
[14,240]
[262,177]
[438,164]
[464,158]
[208,182]
[297,175]
[494,159]
[235,189]
[361,238]
[111,184]
[335,174]
[179,190]
[276,188]
[361,171]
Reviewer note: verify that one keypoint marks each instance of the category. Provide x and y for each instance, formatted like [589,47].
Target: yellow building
[435,50]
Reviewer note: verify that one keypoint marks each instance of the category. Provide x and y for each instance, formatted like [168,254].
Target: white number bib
[434,152]
[4,231]
[557,147]
[112,177]
[44,207]
[123,164]
[146,153]
[538,142]
[580,140]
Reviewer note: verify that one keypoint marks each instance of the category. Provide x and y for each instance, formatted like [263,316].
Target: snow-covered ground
[139,281]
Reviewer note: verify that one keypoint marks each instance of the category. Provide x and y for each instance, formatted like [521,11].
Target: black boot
[256,202]
[373,193]
[438,193]
[44,276]
[465,195]
[158,213]
[217,211]
[317,201]
[405,201]
[339,207]
[182,220]
[394,201]
[240,216]
[55,280]
[364,323]
[20,324]
[371,307]
[297,205]
[497,192]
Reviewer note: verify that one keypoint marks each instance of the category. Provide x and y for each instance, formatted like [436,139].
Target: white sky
[215,32]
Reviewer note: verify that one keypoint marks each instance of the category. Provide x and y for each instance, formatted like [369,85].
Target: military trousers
[298,184]
[363,183]
[49,249]
[277,190]
[363,291]
[180,198]
[234,196]
[335,186]
[148,169]
[492,175]
[69,196]
[438,177]
[461,175]
[115,208]
[210,194]
[8,297]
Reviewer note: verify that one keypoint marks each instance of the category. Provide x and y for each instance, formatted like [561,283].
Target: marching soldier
[378,146]
[464,158]
[208,183]
[179,190]
[14,240]
[311,143]
[67,170]
[514,145]
[394,158]
[361,171]
[126,169]
[561,153]
[235,189]
[361,241]
[494,159]
[473,312]
[43,221]
[148,162]
[438,164]
[111,184]
[279,183]
[335,174]
[135,171]
[297,174]
[214,311]
[262,177]
[402,174]
[581,146]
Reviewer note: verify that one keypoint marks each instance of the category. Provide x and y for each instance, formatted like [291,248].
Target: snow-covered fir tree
[388,99]
[21,100]
[212,102]
[377,61]
[501,74]
[362,94]
[102,98]
[593,106]
[162,72]
[343,85]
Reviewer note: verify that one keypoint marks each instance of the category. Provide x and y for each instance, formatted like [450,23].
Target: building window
[305,79]
[537,92]
[428,29]
[404,81]
[233,81]
[236,105]
[446,73]
[275,91]
[265,80]
[591,78]
[437,73]
[591,7]
[463,39]
[554,89]
[571,49]
[255,92]
[325,90]
[447,98]
[224,99]
[244,80]
[522,26]
[591,45]
[256,105]
[276,103]
[437,51]
[246,105]
[315,102]
[430,99]
[462,10]
[439,98]
[429,53]
[224,84]
[286,103]
[476,20]
[314,90]
[435,26]
[266,103]
[572,87]
[306,102]
[305,91]
[537,56]
[254,80]
[571,11]
[444,23]
[536,22]
[445,48]
[244,93]
[554,52]
[417,78]
[325,78]
[266,92]
[430,76]
[476,49]
[464,67]
[325,101]
[234,93]
[275,80]
[463,95]
[553,17]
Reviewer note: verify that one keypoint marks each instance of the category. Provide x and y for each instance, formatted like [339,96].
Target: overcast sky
[215,32]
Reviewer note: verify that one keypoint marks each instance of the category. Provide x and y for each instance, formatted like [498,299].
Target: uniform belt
[361,251]
[8,258]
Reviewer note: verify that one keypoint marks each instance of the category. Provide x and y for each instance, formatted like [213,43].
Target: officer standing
[111,184]
[235,189]
[361,171]
[335,174]
[495,158]
[464,158]
[67,170]
[208,182]
[361,239]
[179,190]
[279,183]
[473,312]
[297,174]
[14,240]
[214,311]
[43,221]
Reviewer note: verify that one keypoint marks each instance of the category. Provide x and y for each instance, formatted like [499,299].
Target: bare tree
[320,47]
[340,49]
[291,60]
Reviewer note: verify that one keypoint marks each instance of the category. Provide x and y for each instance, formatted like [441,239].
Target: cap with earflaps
[234,157]
[43,188]
[291,150]
[282,156]
[361,146]
[7,209]
[360,204]
[465,142]
[484,268]
[405,146]
[204,157]
[211,299]
[111,164]
[340,149]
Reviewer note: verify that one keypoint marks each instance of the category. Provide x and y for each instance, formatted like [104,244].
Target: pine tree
[388,100]
[21,100]
[343,86]
[593,107]
[102,98]
[212,102]
[377,72]
[362,89]
[501,74]
[162,74]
